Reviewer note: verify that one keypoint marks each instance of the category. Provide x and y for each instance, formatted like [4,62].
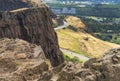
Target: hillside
[75,38]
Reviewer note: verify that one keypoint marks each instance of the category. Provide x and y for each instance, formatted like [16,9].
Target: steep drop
[34,25]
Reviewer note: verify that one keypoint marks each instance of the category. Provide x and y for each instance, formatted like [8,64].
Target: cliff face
[35,26]
[16,4]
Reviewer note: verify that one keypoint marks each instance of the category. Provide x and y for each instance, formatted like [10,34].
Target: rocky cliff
[22,61]
[105,68]
[17,57]
[32,24]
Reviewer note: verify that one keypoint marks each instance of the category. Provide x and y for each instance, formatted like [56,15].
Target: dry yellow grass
[54,21]
[82,42]
[75,22]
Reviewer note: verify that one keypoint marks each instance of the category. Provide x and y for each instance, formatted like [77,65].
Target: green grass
[82,53]
[72,58]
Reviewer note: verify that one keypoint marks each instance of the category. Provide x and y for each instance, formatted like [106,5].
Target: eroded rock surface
[21,61]
[105,68]
[32,24]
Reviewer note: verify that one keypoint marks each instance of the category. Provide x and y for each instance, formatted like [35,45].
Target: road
[65,25]
[82,57]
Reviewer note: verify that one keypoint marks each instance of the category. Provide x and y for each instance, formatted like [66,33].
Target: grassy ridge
[70,40]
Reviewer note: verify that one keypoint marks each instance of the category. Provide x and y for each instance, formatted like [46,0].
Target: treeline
[99,11]
[101,27]
[105,31]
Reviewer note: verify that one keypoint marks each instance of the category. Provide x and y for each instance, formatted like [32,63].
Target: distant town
[83,1]
[64,10]
[75,7]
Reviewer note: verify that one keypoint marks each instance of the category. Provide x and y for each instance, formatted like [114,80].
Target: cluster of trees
[100,10]
[104,31]
[100,27]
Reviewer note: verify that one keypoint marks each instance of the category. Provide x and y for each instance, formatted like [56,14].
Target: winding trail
[80,56]
[65,25]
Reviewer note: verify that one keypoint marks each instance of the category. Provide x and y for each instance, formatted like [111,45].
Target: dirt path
[80,56]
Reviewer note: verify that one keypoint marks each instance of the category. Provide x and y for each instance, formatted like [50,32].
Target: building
[64,10]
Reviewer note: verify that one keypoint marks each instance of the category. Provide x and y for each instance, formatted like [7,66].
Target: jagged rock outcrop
[32,24]
[22,61]
[105,68]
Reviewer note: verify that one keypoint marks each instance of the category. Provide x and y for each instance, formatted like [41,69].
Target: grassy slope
[76,41]
[71,58]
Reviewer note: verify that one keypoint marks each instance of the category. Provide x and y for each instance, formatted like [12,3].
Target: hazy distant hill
[116,1]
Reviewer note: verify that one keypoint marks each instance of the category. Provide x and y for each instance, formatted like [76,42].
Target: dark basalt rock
[33,25]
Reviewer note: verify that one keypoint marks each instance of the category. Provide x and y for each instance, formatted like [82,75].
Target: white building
[72,11]
[68,11]
[57,11]
[64,11]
